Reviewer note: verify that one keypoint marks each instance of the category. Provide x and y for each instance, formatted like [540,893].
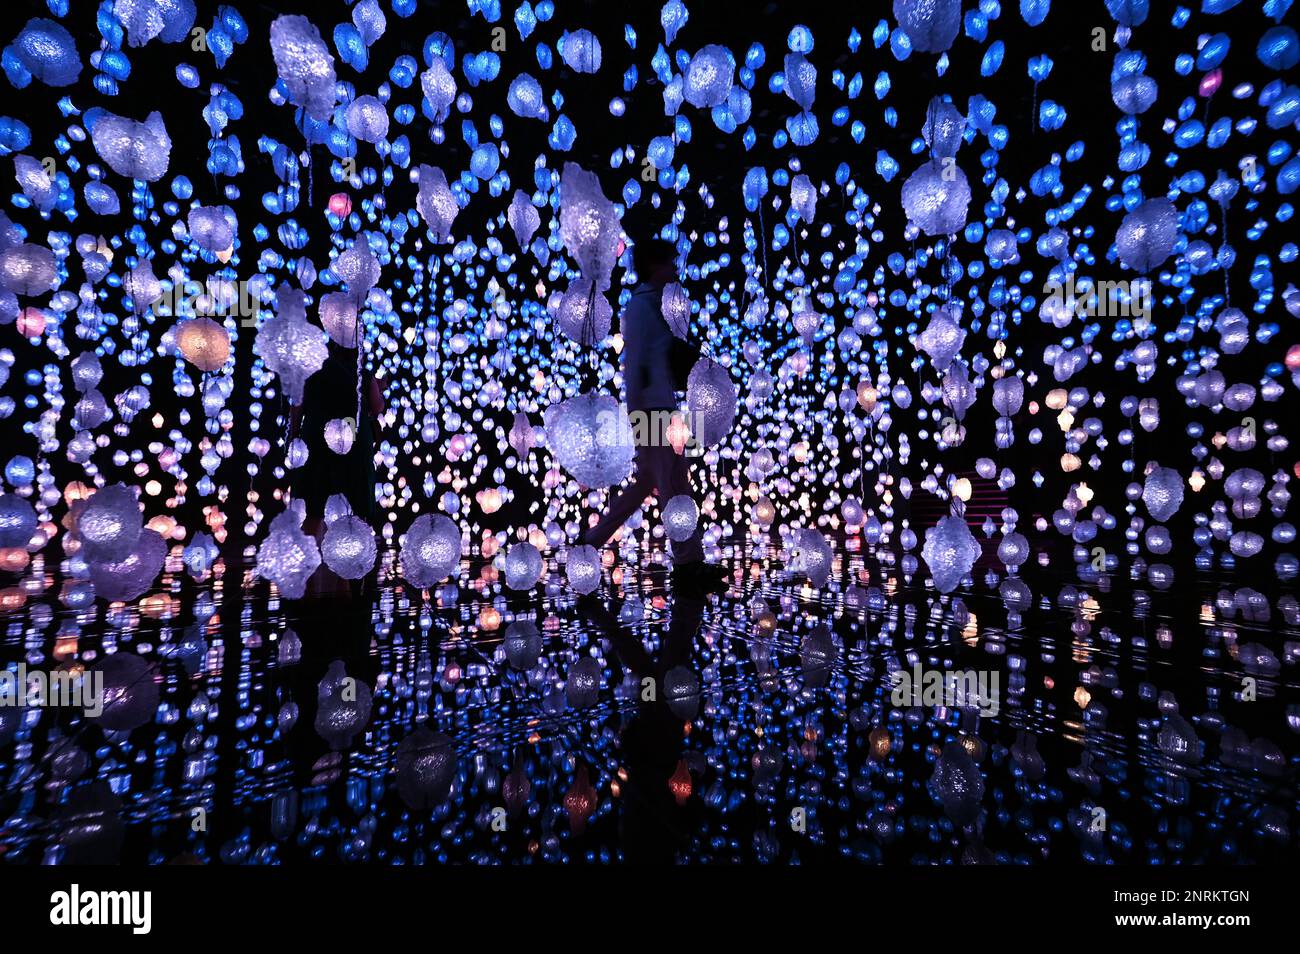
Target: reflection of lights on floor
[764,718]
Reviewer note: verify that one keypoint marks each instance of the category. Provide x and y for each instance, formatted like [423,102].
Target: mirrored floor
[1019,720]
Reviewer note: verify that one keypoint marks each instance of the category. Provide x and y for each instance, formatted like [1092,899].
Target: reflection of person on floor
[661,470]
[331,630]
[654,825]
[334,622]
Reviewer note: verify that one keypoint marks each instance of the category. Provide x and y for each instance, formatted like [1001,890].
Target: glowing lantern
[1147,235]
[680,783]
[426,767]
[17,521]
[340,434]
[349,547]
[13,560]
[31,323]
[678,433]
[304,65]
[133,149]
[436,202]
[950,551]
[524,566]
[109,523]
[587,434]
[936,197]
[204,343]
[580,801]
[1210,83]
[588,224]
[880,742]
[583,569]
[681,516]
[338,316]
[711,398]
[431,550]
[290,346]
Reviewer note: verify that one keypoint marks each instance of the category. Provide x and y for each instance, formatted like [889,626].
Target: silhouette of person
[339,391]
[332,394]
[661,470]
[654,824]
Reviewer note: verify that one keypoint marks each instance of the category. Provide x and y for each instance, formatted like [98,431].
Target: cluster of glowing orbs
[584,314]
[18,521]
[936,197]
[289,346]
[810,555]
[681,517]
[582,569]
[589,224]
[431,550]
[109,523]
[204,343]
[711,401]
[136,150]
[304,64]
[1148,234]
[523,566]
[950,551]
[288,556]
[591,436]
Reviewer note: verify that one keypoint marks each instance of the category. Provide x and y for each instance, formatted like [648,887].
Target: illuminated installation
[996,323]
